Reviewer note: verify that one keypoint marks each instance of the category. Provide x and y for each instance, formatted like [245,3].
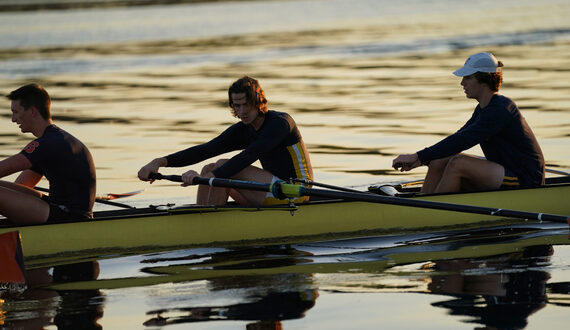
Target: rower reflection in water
[502,299]
[267,311]
[269,299]
[271,137]
[75,309]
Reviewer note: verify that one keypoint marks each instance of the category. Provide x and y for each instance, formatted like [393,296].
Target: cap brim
[464,71]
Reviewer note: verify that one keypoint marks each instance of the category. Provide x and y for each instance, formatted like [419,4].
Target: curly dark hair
[254,94]
[493,79]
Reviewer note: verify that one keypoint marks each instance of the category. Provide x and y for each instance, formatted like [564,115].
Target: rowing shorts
[272,200]
[510,180]
[60,213]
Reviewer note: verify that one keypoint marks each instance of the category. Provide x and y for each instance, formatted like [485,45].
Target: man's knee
[220,162]
[212,166]
[438,164]
[458,163]
[208,168]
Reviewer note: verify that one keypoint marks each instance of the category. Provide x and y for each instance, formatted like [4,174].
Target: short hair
[33,95]
[254,94]
[492,79]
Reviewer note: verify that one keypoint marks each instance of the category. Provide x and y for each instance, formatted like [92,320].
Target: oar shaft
[108,202]
[324,185]
[237,184]
[559,172]
[433,205]
[216,182]
[97,199]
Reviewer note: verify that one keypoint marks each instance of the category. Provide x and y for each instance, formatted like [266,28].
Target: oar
[287,190]
[386,189]
[324,185]
[111,196]
[106,199]
[553,171]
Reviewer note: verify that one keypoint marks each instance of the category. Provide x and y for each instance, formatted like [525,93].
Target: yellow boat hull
[153,230]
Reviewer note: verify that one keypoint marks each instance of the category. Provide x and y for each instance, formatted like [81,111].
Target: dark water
[502,278]
[365,81]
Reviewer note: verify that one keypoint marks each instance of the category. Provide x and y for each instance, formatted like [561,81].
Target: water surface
[364,80]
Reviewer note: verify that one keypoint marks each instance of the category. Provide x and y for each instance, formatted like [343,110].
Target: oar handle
[178,178]
[158,176]
[398,165]
[279,189]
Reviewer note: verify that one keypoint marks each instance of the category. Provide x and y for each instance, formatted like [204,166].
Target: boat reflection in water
[491,291]
[495,277]
[266,300]
[37,307]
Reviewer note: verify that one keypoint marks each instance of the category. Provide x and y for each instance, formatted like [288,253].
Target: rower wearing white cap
[512,154]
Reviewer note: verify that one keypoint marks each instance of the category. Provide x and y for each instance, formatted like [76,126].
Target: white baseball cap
[480,62]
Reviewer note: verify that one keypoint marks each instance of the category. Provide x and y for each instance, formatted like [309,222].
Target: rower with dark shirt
[512,154]
[271,137]
[64,160]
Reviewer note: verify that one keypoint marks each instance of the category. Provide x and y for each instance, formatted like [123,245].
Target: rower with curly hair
[269,136]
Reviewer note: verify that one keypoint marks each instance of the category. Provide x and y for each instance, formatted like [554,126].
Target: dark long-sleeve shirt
[504,136]
[277,145]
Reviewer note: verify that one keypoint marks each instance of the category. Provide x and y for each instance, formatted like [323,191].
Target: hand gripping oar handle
[288,190]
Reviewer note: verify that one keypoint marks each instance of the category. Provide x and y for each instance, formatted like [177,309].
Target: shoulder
[500,101]
[279,118]
[237,127]
[54,136]
[53,132]
[50,134]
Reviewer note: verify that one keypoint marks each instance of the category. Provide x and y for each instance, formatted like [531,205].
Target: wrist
[160,162]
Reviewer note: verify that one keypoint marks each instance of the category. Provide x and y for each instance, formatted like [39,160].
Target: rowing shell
[167,227]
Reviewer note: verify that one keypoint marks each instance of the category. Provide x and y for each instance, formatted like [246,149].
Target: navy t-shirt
[68,166]
[504,136]
[277,145]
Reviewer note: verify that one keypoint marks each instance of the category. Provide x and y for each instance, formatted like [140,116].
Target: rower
[269,136]
[512,154]
[61,158]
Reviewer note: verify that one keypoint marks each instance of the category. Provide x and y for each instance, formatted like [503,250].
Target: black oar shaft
[216,182]
[104,201]
[324,185]
[364,197]
[98,200]
[229,183]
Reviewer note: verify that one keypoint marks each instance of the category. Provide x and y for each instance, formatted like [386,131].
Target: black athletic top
[68,166]
[504,136]
[277,145]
